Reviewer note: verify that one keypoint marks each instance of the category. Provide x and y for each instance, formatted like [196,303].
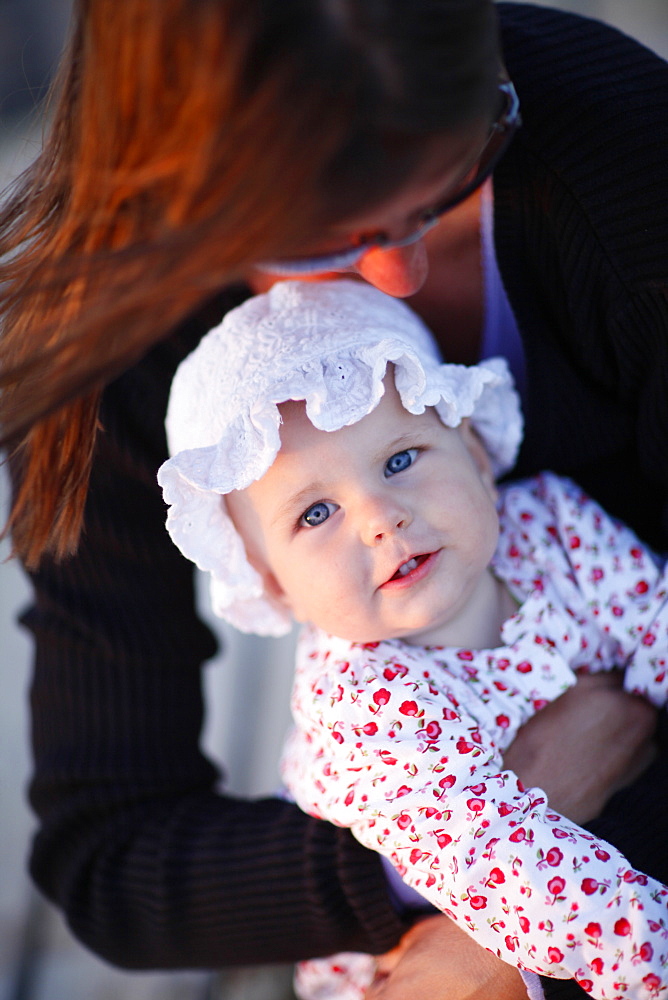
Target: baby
[359,481]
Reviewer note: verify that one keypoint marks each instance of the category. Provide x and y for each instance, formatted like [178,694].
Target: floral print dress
[404,746]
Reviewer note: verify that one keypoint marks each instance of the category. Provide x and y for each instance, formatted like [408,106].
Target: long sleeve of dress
[388,746]
[152,867]
[614,586]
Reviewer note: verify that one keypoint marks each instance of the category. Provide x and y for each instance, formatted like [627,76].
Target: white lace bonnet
[328,343]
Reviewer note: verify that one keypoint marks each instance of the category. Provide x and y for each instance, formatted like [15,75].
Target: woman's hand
[585,746]
[438,961]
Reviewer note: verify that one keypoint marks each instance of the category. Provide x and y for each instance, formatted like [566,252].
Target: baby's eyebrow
[401,443]
[297,502]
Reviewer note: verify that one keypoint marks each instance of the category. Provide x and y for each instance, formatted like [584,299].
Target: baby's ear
[479,454]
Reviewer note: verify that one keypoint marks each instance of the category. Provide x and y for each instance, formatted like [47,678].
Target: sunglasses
[498,140]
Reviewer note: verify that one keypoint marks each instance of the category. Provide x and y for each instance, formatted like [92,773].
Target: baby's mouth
[409,566]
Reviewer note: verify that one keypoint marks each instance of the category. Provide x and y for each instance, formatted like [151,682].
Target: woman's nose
[399,271]
[380,519]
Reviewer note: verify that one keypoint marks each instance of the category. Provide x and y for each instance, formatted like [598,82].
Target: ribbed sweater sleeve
[581,229]
[151,866]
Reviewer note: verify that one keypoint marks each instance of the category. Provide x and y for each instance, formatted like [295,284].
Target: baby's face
[380,530]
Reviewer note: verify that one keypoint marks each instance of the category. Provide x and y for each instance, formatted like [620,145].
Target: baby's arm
[382,753]
[622,584]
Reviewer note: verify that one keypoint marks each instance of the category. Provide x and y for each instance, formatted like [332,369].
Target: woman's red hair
[189,138]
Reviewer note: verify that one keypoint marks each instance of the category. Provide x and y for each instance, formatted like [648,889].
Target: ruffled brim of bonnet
[329,344]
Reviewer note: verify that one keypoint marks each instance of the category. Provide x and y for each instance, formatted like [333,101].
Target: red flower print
[517,836]
[636,552]
[463,746]
[502,721]
[409,708]
[370,729]
[403,790]
[449,715]
[496,877]
[596,574]
[349,797]
[505,809]
[524,924]
[476,805]
[631,876]
[601,854]
[593,930]
[381,697]
[404,821]
[511,942]
[443,839]
[395,670]
[648,639]
[337,736]
[416,854]
[554,857]
[478,902]
[589,886]
[447,782]
[652,981]
[622,927]
[524,667]
[479,789]
[646,952]
[586,984]
[556,885]
[465,654]
[597,966]
[555,955]
[432,730]
[641,587]
[574,542]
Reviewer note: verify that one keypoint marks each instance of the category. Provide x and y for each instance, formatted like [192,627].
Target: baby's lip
[407,565]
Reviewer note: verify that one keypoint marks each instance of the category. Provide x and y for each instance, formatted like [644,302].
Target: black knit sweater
[151,865]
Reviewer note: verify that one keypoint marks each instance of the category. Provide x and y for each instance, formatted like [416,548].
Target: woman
[190,141]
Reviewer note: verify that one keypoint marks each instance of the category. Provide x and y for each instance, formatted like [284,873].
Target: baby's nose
[381,519]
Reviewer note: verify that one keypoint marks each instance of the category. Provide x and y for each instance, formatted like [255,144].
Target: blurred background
[38,958]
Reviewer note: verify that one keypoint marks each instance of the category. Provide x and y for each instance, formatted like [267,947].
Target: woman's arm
[585,746]
[151,866]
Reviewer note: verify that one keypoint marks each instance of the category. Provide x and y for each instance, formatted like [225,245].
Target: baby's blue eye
[317,514]
[400,461]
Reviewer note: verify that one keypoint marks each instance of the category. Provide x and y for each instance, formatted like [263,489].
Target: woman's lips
[410,571]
